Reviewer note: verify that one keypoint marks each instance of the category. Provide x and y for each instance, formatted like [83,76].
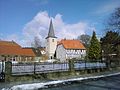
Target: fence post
[2,66]
[85,68]
[71,67]
[34,67]
[8,70]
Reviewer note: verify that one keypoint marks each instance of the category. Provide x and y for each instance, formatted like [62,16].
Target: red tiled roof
[28,52]
[12,48]
[9,43]
[71,44]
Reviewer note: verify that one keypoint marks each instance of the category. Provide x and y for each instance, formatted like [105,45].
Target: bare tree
[111,41]
[85,39]
[113,23]
[37,42]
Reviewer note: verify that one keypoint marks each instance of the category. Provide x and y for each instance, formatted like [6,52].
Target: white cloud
[39,26]
[107,7]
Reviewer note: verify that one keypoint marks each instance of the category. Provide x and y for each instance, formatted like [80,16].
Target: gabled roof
[37,51]
[12,48]
[51,31]
[43,50]
[28,52]
[71,44]
[9,43]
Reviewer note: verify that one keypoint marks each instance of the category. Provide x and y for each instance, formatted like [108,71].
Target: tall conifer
[94,52]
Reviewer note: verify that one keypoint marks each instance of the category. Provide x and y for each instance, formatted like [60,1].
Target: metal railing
[36,68]
[33,68]
[82,65]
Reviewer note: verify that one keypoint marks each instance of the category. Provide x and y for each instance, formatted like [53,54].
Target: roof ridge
[10,43]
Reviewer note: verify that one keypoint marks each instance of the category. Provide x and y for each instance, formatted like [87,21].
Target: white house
[68,49]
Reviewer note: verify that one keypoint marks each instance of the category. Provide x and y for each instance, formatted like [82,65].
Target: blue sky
[22,20]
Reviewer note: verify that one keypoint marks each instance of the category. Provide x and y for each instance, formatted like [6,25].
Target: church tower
[51,42]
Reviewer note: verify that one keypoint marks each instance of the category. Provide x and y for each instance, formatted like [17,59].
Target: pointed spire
[51,31]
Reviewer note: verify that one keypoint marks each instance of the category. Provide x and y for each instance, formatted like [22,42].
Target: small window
[52,40]
[75,50]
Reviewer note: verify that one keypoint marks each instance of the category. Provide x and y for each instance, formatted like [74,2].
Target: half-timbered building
[69,49]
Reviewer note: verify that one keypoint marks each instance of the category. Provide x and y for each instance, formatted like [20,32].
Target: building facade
[69,49]
[11,51]
[65,49]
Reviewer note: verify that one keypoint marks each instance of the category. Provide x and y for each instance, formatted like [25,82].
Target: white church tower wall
[51,42]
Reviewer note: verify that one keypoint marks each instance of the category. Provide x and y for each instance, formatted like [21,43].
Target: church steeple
[51,42]
[51,31]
